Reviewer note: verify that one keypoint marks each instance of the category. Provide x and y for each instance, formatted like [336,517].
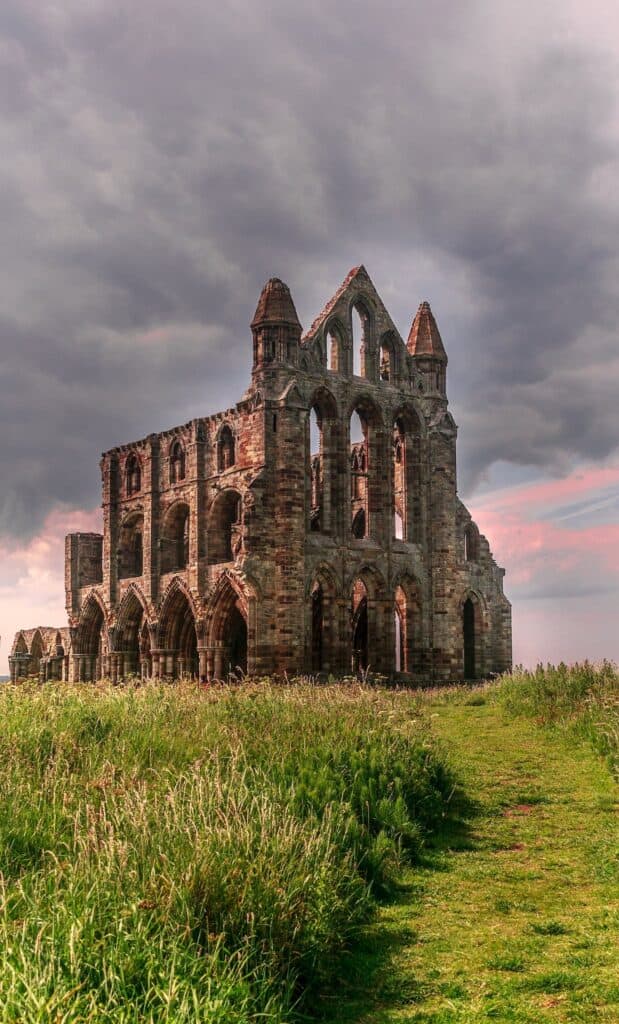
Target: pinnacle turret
[275,305]
[424,338]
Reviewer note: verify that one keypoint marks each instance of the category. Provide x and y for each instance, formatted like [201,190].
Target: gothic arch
[407,474]
[408,623]
[19,644]
[130,551]
[224,537]
[231,626]
[174,541]
[473,617]
[131,622]
[177,631]
[322,608]
[336,348]
[366,589]
[363,308]
[226,447]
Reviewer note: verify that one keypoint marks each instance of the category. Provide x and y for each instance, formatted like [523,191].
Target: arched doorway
[317,613]
[36,654]
[468,631]
[178,639]
[130,636]
[235,639]
[89,646]
[360,646]
[228,636]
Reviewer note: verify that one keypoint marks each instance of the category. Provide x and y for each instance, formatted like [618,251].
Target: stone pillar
[218,662]
[202,664]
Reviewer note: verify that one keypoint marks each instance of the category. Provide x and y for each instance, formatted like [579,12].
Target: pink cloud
[32,584]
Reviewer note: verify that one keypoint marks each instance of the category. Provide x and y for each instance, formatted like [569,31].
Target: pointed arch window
[133,475]
[226,455]
[177,463]
[175,539]
[471,543]
[334,349]
[359,482]
[399,481]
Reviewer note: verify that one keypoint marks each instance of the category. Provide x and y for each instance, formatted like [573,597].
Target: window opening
[317,628]
[225,528]
[333,352]
[358,342]
[360,660]
[399,481]
[175,540]
[316,463]
[177,463]
[225,449]
[385,363]
[468,630]
[134,476]
[358,475]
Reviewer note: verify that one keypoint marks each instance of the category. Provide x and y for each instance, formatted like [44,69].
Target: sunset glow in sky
[162,160]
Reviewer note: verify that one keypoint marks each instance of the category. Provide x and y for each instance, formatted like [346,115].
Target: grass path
[516,918]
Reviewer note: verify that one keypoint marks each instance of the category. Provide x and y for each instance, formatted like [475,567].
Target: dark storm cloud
[162,160]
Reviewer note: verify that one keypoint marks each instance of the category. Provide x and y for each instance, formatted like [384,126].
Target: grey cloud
[166,159]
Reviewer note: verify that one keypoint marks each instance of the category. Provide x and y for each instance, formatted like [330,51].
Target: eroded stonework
[313,528]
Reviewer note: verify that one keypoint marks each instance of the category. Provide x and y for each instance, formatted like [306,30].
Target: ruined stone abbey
[313,528]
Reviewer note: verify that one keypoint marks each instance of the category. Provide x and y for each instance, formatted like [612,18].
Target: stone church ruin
[314,527]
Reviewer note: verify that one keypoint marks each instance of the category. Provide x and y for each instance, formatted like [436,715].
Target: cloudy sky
[162,159]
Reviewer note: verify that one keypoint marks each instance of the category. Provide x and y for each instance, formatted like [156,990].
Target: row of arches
[351,632]
[225,452]
[366,627]
[224,533]
[363,629]
[168,646]
[354,349]
[384,469]
[42,656]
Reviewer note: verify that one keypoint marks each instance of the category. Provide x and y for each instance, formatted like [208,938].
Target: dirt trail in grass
[516,917]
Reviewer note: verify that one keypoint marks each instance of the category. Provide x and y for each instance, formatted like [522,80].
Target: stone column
[202,664]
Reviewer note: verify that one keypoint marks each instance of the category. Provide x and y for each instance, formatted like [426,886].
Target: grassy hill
[276,854]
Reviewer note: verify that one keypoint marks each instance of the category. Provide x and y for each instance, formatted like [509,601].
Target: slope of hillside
[515,916]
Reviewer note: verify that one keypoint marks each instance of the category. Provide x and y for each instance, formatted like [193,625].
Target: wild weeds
[581,699]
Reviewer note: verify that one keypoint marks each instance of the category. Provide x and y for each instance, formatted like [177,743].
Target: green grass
[171,854]
[278,854]
[513,916]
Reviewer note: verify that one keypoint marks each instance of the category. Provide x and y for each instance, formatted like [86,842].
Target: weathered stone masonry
[314,527]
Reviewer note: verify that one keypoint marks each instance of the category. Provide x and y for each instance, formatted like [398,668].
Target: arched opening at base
[228,634]
[468,630]
[133,639]
[317,629]
[235,640]
[360,647]
[178,637]
[89,647]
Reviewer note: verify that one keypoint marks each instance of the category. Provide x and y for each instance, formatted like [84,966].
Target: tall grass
[581,699]
[171,854]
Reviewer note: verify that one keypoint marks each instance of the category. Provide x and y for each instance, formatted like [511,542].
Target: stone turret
[425,345]
[275,326]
